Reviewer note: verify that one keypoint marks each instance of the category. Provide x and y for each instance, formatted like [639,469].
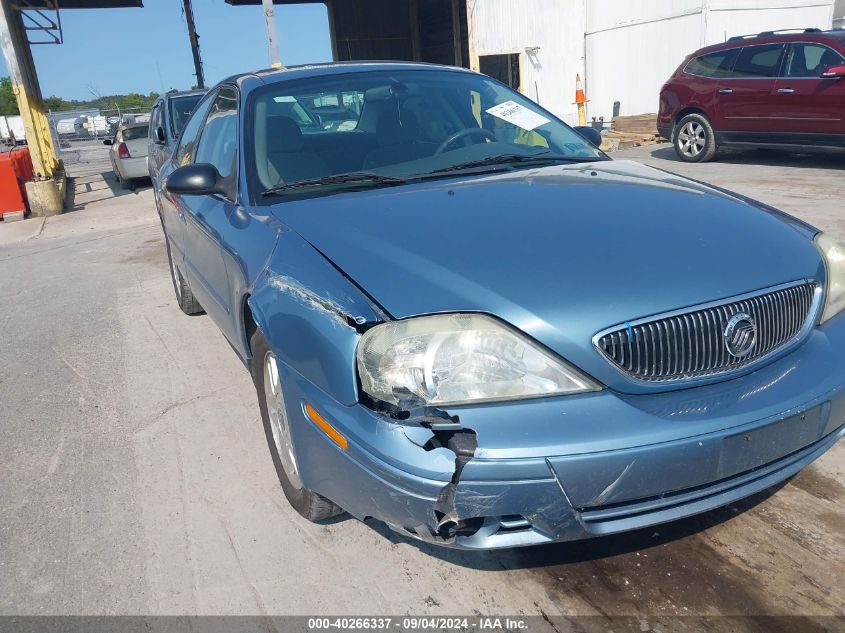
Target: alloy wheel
[275,401]
[177,282]
[692,139]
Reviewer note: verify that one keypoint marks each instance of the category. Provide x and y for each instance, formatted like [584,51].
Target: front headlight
[453,359]
[833,252]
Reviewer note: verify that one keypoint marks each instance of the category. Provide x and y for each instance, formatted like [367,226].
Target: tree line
[9,106]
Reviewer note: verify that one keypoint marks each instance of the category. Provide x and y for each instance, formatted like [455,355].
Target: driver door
[206,217]
[805,102]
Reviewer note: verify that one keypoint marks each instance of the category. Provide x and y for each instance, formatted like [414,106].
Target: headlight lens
[453,359]
[833,251]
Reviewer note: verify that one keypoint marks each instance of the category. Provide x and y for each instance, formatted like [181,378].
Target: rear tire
[268,386]
[184,297]
[117,176]
[694,139]
[123,182]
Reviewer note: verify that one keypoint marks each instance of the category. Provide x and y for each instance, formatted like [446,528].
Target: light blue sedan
[464,320]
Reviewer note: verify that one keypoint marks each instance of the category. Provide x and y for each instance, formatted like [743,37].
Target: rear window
[716,64]
[135,132]
[758,61]
[180,110]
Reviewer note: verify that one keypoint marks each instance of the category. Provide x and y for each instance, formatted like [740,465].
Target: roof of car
[271,75]
[184,93]
[787,35]
[180,93]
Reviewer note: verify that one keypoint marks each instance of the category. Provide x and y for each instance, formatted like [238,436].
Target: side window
[219,141]
[758,61]
[810,60]
[155,120]
[713,65]
[190,133]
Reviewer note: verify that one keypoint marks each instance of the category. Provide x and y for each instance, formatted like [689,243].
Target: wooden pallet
[635,124]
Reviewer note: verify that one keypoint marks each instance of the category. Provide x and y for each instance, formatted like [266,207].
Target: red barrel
[15,170]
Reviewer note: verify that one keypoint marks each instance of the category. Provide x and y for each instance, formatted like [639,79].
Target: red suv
[775,88]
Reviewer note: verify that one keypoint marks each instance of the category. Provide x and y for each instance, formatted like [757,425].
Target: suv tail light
[123,151]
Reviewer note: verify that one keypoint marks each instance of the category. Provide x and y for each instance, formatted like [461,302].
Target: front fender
[312,316]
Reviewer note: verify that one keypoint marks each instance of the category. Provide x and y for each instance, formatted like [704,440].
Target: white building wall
[624,49]
[555,26]
[839,14]
[633,47]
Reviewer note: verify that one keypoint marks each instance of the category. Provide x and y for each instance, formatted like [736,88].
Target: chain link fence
[78,135]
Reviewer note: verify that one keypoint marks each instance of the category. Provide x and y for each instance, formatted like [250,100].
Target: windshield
[180,110]
[399,124]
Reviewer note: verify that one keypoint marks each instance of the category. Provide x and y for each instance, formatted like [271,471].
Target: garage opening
[432,31]
[505,68]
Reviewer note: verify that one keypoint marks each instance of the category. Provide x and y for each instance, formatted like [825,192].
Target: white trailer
[11,128]
[73,126]
[97,125]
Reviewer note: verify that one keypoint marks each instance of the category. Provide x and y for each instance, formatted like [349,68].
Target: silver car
[128,154]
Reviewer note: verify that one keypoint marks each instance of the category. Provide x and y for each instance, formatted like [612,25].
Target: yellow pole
[37,128]
[25,86]
[474,60]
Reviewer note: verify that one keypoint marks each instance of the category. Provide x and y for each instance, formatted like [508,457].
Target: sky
[116,51]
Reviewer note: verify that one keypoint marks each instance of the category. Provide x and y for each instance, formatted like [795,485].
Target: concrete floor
[135,477]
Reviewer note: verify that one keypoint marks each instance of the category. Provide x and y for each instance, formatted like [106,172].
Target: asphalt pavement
[135,476]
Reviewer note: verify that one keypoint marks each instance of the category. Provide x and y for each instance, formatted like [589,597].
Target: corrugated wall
[377,29]
[383,30]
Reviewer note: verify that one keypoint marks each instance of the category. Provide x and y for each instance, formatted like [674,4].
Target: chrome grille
[690,344]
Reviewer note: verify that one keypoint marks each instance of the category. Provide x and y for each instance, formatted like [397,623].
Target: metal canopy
[78,4]
[238,3]
[434,31]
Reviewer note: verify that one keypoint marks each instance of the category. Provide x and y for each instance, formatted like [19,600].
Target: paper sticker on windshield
[518,115]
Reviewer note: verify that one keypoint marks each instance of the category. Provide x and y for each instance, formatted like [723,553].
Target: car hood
[560,252]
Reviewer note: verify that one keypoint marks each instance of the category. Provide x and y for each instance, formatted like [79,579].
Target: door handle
[725,91]
[786,91]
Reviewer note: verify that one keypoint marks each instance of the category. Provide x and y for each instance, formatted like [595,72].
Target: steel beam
[270,24]
[18,58]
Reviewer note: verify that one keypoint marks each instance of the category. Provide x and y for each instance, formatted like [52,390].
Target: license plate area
[745,451]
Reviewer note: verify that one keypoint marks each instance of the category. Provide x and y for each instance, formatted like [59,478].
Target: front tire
[274,415]
[694,139]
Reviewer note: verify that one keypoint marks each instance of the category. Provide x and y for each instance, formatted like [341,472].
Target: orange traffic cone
[580,100]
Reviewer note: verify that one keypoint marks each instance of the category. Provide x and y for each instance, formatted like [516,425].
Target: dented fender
[312,316]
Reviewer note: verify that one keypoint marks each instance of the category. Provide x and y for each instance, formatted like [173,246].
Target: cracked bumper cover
[561,469]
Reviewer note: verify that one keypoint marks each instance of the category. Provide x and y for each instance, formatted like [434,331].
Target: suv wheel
[694,139]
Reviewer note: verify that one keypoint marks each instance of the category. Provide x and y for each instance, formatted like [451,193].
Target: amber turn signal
[327,428]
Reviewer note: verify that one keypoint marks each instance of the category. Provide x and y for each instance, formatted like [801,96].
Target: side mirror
[590,134]
[158,136]
[834,72]
[108,141]
[199,179]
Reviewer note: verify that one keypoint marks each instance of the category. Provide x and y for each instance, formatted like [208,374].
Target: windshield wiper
[352,178]
[506,159]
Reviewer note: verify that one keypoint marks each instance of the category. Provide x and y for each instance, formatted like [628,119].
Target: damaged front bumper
[559,469]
